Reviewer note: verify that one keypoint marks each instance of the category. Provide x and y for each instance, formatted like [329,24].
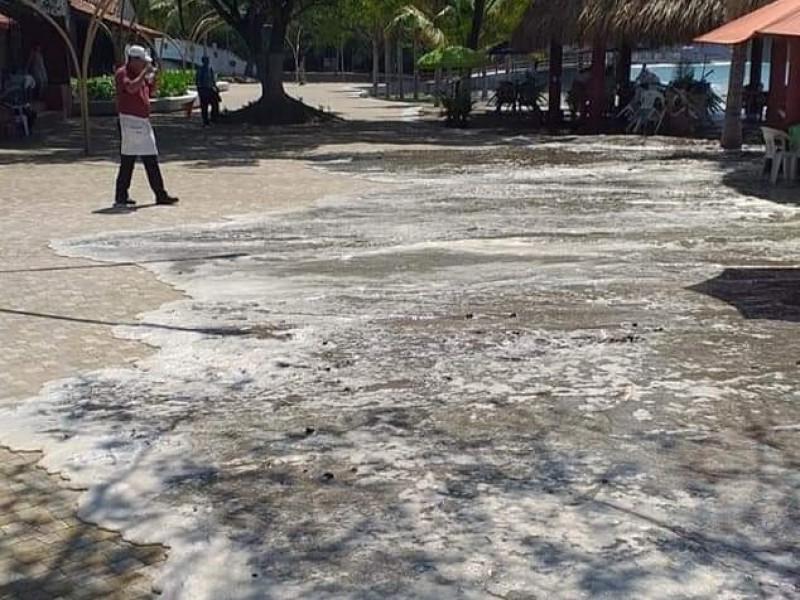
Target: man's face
[137,64]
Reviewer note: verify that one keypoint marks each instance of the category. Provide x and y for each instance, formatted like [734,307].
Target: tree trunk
[376,66]
[597,97]
[295,46]
[274,106]
[401,92]
[272,80]
[387,64]
[554,91]
[416,69]
[477,24]
[624,63]
[732,130]
[437,85]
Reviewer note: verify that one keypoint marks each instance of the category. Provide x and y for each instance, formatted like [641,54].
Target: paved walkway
[56,314]
[45,552]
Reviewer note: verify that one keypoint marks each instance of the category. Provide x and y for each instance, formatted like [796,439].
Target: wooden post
[624,62]
[597,100]
[776,99]
[732,127]
[756,60]
[793,87]
[556,68]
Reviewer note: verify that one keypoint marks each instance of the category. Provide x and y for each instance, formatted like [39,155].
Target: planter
[222,86]
[173,104]
[107,108]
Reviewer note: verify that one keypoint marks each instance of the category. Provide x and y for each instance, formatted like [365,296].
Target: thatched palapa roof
[546,20]
[656,22]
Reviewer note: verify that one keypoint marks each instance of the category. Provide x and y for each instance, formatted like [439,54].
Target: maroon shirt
[136,103]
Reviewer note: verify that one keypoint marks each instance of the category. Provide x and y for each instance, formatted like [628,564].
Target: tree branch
[229,11]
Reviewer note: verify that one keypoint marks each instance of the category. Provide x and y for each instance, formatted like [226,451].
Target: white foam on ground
[458,387]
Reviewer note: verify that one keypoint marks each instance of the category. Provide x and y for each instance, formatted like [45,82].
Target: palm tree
[422,28]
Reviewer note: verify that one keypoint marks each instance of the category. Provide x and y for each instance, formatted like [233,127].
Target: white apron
[138,138]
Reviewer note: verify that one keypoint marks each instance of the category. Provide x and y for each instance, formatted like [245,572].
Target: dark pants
[208,98]
[126,174]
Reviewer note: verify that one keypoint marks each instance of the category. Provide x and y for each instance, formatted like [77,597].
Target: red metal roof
[89,7]
[781,18]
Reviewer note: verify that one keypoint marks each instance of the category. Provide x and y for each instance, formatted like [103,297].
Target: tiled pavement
[55,317]
[47,553]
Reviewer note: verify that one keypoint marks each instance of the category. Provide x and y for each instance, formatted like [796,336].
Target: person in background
[134,83]
[206,83]
[37,69]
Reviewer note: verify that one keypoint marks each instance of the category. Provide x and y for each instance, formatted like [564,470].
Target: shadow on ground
[772,293]
[48,553]
[327,529]
[234,145]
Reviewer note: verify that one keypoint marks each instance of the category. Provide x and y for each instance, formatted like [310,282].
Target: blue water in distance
[717,73]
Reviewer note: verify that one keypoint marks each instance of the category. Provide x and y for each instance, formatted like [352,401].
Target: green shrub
[174,83]
[170,83]
[98,88]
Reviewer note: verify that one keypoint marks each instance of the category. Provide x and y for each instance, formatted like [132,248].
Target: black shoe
[166,199]
[127,200]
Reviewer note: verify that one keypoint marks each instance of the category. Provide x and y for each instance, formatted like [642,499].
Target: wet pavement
[563,369]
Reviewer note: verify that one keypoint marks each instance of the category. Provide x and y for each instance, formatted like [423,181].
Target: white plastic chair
[629,110]
[651,110]
[17,121]
[779,157]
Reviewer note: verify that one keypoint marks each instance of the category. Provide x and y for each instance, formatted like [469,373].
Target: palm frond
[410,18]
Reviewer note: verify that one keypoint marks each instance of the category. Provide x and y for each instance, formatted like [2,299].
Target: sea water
[717,73]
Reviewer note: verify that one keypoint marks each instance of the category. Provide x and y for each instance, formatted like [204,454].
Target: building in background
[22,30]
[179,53]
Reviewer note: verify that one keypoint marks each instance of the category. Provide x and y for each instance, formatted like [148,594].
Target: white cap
[139,52]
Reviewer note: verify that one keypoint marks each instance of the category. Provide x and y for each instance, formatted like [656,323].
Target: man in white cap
[134,82]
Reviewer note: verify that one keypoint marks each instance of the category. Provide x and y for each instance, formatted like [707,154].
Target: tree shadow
[514,493]
[53,558]
[239,145]
[757,293]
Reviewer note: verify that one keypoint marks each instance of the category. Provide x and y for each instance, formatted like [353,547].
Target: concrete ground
[485,366]
[56,313]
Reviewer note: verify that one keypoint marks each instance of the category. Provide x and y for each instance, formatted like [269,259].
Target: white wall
[222,61]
